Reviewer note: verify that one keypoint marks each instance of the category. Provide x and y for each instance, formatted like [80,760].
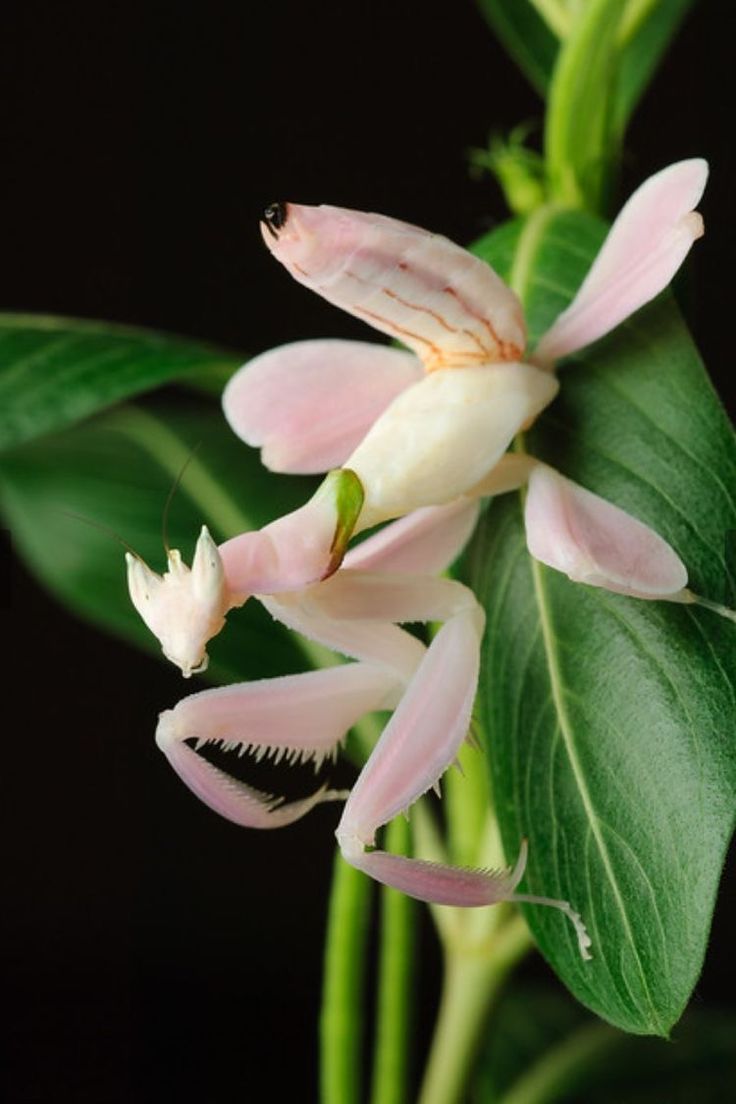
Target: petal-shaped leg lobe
[644,249]
[592,541]
[379,596]
[446,305]
[309,404]
[424,735]
[440,884]
[377,642]
[441,436]
[424,542]
[435,882]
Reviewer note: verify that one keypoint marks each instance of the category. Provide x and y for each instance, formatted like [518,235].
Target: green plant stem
[578,142]
[473,978]
[343,982]
[395,974]
[555,16]
[560,1067]
[467,800]
[341,1016]
[636,13]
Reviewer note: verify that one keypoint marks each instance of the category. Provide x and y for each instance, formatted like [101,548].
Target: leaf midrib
[568,736]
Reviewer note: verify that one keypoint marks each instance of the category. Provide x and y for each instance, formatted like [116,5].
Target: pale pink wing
[308,405]
[644,249]
[592,541]
[446,305]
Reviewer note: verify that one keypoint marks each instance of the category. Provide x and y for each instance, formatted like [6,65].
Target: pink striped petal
[425,542]
[447,306]
[594,542]
[309,404]
[644,249]
[296,716]
[300,548]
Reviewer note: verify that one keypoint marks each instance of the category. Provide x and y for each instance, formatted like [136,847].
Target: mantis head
[185,607]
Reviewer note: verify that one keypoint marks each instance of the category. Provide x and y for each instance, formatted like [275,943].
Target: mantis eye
[275,216]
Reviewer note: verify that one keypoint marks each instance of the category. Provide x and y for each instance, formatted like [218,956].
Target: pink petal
[644,249]
[384,645]
[592,541]
[309,404]
[447,306]
[294,715]
[380,596]
[424,735]
[453,885]
[425,541]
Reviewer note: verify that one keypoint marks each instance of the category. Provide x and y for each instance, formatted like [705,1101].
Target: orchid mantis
[391,578]
[417,436]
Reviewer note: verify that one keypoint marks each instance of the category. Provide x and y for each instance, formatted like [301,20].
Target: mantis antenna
[103,529]
[170,497]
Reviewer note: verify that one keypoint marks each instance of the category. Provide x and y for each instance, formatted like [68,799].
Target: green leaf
[56,371]
[542,1049]
[526,36]
[116,471]
[610,720]
[647,30]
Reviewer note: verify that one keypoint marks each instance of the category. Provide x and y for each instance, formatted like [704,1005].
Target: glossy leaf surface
[55,371]
[610,720]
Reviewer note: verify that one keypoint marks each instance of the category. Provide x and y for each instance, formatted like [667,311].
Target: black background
[155,952]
